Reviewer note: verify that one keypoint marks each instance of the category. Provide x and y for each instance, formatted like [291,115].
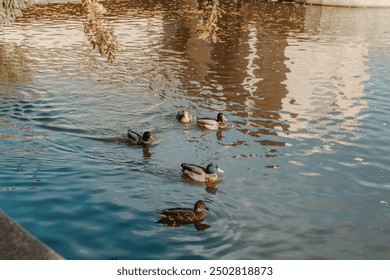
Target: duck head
[221,117]
[213,168]
[199,205]
[147,136]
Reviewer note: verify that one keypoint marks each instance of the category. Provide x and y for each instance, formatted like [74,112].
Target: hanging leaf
[10,9]
[100,36]
[207,24]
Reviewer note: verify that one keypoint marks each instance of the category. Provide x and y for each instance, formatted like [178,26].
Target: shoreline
[16,243]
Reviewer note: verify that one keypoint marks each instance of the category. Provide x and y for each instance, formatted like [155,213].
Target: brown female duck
[184,117]
[184,215]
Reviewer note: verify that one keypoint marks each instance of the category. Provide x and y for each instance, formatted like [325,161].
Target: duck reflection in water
[211,188]
[146,153]
[175,217]
[219,135]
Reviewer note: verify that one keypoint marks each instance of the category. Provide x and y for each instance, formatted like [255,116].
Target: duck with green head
[133,138]
[211,123]
[184,215]
[198,173]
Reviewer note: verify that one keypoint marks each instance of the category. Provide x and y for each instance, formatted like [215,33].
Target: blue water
[306,158]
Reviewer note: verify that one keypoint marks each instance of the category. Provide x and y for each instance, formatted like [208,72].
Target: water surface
[306,158]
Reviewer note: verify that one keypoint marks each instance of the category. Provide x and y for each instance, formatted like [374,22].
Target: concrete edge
[16,243]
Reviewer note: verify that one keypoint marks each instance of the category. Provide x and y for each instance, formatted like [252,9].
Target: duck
[184,215]
[212,124]
[184,117]
[198,173]
[134,138]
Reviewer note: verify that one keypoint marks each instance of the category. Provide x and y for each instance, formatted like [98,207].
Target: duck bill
[220,170]
[224,118]
[208,209]
[151,139]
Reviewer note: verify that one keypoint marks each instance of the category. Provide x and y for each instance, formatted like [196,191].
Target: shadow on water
[304,156]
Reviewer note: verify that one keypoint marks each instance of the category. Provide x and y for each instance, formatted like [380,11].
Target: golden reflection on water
[278,72]
[52,11]
[339,67]
[267,69]
[6,135]
[13,67]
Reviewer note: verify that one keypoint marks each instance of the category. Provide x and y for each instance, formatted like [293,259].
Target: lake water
[306,90]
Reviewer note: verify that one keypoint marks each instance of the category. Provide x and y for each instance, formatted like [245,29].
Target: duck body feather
[208,123]
[185,215]
[196,173]
[212,124]
[199,173]
[184,117]
[182,215]
[135,138]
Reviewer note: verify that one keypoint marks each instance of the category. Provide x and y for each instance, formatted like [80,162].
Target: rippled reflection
[325,91]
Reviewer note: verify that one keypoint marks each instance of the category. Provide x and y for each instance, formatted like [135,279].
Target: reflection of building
[326,89]
[326,86]
[351,3]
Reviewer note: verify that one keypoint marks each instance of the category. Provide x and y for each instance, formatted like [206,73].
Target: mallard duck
[136,139]
[184,117]
[184,215]
[201,174]
[212,124]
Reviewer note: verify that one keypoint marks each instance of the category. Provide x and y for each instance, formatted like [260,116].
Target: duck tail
[161,214]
